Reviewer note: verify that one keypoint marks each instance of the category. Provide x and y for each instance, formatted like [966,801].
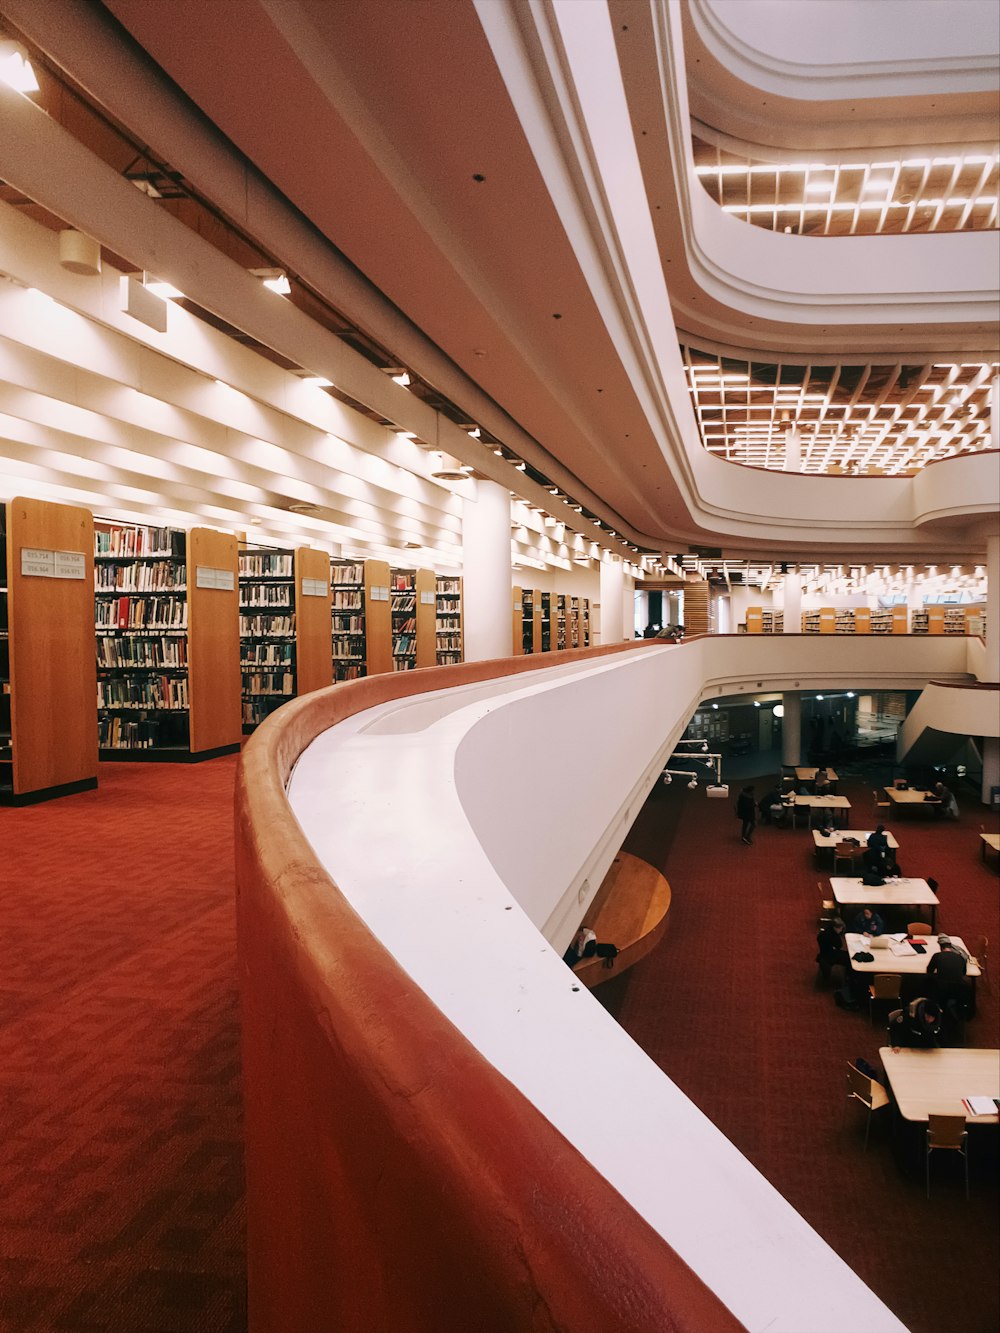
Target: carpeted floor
[121,1192]
[731,1007]
[121,1175]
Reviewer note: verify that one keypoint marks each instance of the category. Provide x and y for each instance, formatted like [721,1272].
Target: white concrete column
[487,604]
[791,586]
[914,602]
[791,729]
[793,450]
[995,412]
[612,611]
[627,606]
[992,671]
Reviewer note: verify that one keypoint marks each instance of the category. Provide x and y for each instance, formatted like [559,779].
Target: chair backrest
[881,800]
[885,986]
[918,928]
[860,1085]
[946,1131]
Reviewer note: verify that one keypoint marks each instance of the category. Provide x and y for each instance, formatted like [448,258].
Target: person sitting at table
[832,950]
[878,855]
[950,986]
[771,809]
[868,922]
[821,782]
[948,809]
[918,1024]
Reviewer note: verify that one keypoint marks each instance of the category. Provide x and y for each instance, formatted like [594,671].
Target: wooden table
[910,964]
[991,840]
[829,842]
[809,775]
[837,805]
[894,893]
[911,797]
[935,1081]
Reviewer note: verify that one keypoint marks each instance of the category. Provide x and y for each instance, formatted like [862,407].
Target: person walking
[746,810]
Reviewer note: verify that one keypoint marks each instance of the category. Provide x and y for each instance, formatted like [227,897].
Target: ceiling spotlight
[667,779]
[756,703]
[779,710]
[274,279]
[850,694]
[820,697]
[693,784]
[704,747]
[15,68]
[475,433]
[398,374]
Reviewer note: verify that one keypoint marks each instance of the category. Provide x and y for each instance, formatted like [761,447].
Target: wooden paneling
[426,617]
[53,653]
[827,620]
[517,621]
[862,620]
[696,607]
[935,620]
[755,620]
[378,618]
[900,620]
[312,622]
[213,643]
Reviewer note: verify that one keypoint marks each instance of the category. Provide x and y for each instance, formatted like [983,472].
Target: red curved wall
[395,1180]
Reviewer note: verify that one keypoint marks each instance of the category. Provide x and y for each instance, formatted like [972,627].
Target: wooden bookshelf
[560,619]
[585,622]
[900,620]
[517,622]
[862,620]
[349,650]
[268,657]
[449,644]
[426,617]
[168,640]
[755,620]
[526,638]
[48,722]
[403,604]
[547,618]
[573,623]
[378,618]
[312,620]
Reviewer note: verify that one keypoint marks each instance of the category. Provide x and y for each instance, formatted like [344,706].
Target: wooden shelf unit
[573,623]
[526,636]
[48,722]
[426,617]
[560,616]
[448,611]
[403,593]
[313,663]
[378,618]
[267,632]
[585,622]
[546,620]
[168,644]
[517,622]
[349,649]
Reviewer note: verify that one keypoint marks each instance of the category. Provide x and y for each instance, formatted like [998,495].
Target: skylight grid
[865,420]
[890,195]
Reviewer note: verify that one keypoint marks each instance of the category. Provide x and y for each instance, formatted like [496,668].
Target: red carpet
[730,1006]
[121,1159]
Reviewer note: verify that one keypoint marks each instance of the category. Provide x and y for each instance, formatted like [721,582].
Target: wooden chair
[827,906]
[880,800]
[844,854]
[868,1091]
[884,986]
[918,928]
[947,1133]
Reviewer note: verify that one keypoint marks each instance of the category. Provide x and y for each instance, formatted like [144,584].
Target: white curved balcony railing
[483,842]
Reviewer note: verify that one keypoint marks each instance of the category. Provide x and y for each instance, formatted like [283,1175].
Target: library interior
[499,665]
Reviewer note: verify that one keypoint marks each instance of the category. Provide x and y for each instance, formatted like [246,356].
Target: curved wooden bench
[631,910]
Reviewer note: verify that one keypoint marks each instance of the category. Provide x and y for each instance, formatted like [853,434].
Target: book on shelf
[268,624]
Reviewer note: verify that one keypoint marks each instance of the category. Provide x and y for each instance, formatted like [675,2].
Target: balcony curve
[349,1058]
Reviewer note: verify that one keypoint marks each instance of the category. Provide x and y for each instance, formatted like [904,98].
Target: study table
[829,842]
[893,893]
[838,806]
[933,1082]
[908,964]
[809,775]
[907,798]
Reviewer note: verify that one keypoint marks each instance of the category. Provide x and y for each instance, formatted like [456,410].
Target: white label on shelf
[379,594]
[426,599]
[223,580]
[37,564]
[314,587]
[70,565]
[518,606]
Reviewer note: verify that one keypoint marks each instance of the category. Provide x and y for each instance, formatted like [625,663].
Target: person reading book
[868,922]
[918,1024]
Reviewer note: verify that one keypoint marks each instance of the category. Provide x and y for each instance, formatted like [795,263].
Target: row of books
[267,654]
[401,582]
[264,627]
[404,645]
[349,648]
[255,710]
[347,601]
[406,603]
[149,576]
[347,574]
[166,692]
[448,643]
[155,612]
[114,652]
[348,624]
[139,541]
[269,682]
[122,733]
[265,594]
[269,565]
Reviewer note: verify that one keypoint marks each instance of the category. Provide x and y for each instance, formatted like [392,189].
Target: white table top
[808,774]
[991,840]
[935,1081]
[819,802]
[902,891]
[831,840]
[907,964]
[910,796]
